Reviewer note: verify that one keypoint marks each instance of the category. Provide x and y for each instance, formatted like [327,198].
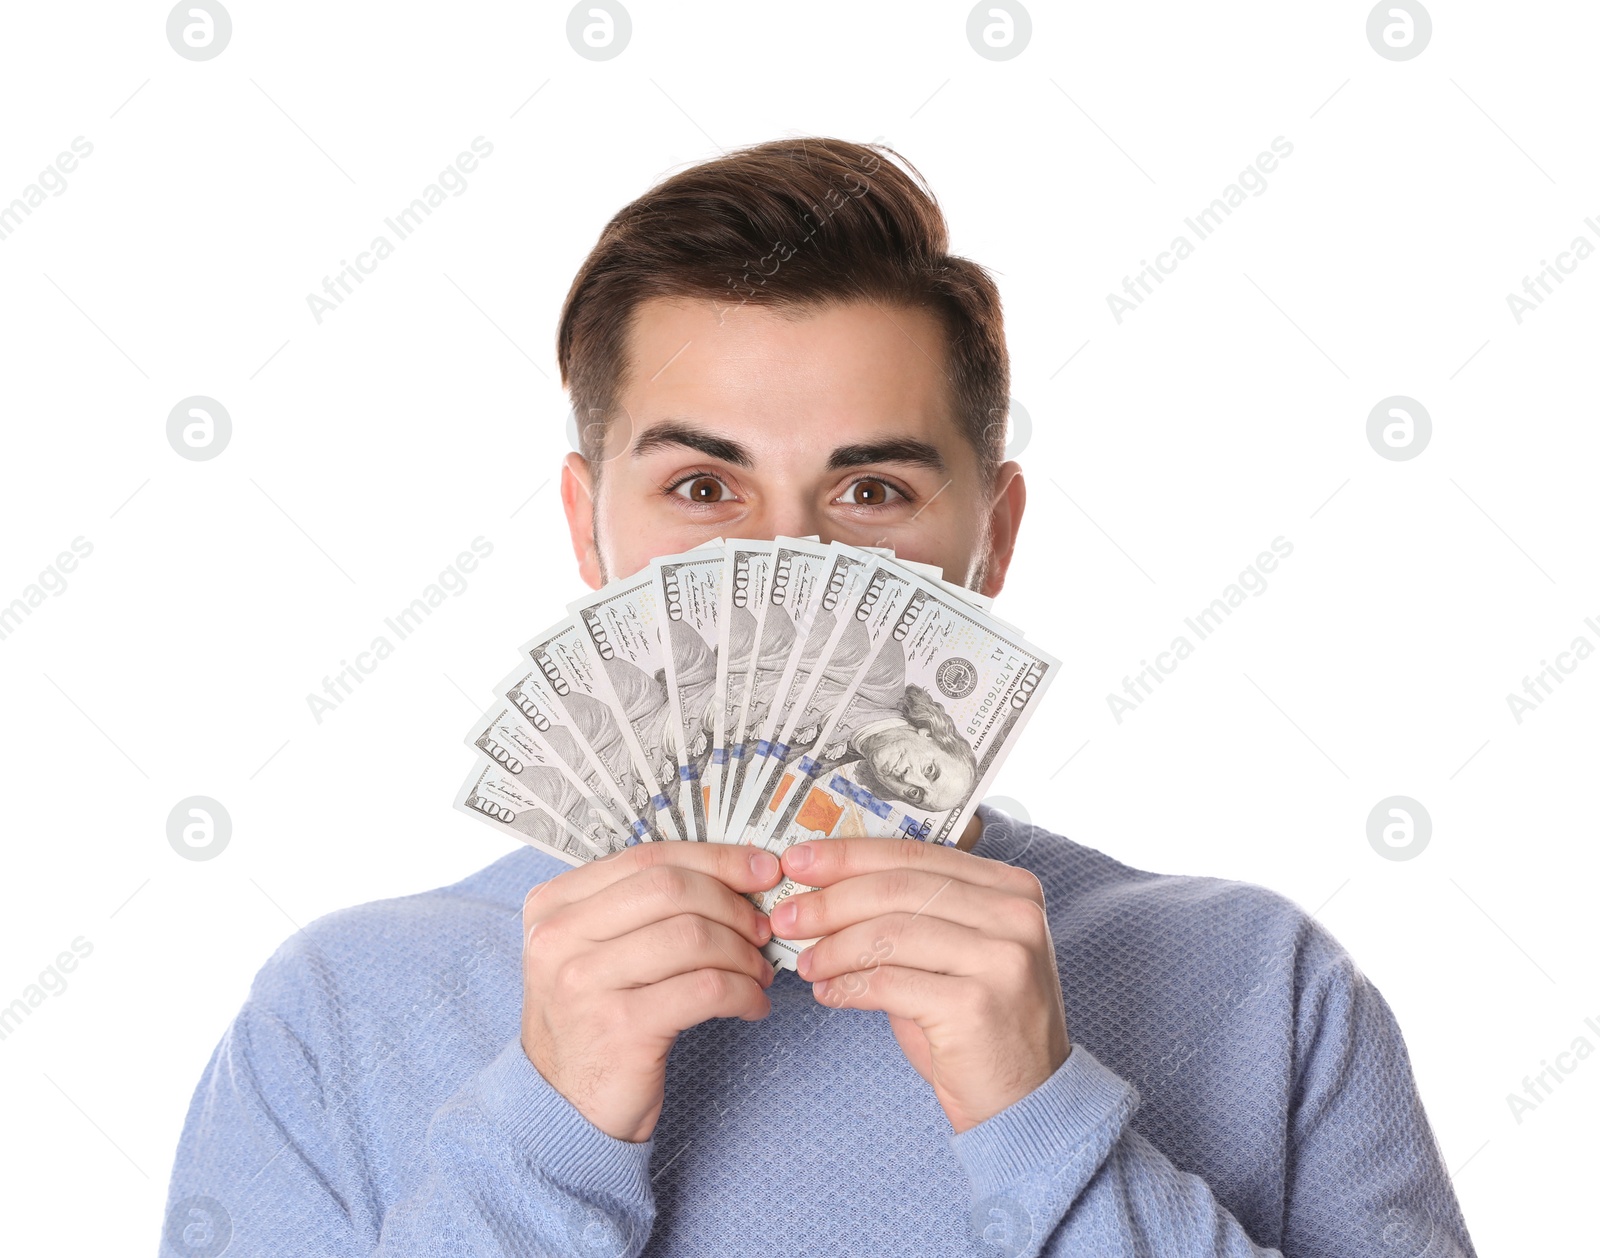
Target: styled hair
[797,225]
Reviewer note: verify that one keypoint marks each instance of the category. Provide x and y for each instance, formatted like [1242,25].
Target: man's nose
[791,517]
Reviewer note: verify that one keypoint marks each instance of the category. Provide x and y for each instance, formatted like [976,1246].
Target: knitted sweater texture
[1236,1086]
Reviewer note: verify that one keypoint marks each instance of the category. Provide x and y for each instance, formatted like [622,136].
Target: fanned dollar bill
[793,571]
[688,592]
[756,691]
[578,688]
[491,794]
[748,565]
[920,734]
[798,624]
[856,610]
[521,737]
[622,623]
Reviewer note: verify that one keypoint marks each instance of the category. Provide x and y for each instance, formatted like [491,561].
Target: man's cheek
[632,533]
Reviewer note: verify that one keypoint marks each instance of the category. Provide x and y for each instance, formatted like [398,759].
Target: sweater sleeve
[1061,1171]
[268,1164]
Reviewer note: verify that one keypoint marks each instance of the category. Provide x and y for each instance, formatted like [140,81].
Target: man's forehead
[785,326]
[860,374]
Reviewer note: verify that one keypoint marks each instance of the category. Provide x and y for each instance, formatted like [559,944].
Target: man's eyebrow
[893,450]
[676,433]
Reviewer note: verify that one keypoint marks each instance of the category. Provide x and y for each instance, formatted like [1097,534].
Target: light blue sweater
[1236,1086]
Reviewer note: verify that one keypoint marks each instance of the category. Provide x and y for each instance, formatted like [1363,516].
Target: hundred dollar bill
[806,577]
[763,646]
[688,591]
[577,687]
[863,591]
[622,628]
[528,690]
[855,628]
[743,598]
[916,741]
[492,795]
[511,741]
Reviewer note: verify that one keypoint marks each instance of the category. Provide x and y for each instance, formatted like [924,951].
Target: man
[1014,1045]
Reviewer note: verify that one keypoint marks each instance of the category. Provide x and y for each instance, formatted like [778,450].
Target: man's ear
[577,500]
[1007,500]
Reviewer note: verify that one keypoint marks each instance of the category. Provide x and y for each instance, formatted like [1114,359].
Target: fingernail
[763,864]
[800,856]
[802,963]
[783,916]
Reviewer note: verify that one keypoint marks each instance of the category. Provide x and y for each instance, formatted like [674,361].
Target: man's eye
[700,489]
[915,792]
[869,493]
[932,772]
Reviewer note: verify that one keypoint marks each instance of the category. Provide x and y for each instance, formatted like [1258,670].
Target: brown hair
[796,225]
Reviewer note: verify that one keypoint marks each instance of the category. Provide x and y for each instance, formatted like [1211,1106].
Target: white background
[1169,450]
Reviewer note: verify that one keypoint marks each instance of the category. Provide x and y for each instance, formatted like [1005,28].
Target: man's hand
[955,948]
[622,954]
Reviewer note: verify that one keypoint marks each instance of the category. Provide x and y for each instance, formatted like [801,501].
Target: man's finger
[674,945]
[917,943]
[653,895]
[821,862]
[675,1004]
[898,990]
[914,892]
[738,866]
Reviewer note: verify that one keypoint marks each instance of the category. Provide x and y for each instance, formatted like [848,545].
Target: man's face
[911,767]
[740,422]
